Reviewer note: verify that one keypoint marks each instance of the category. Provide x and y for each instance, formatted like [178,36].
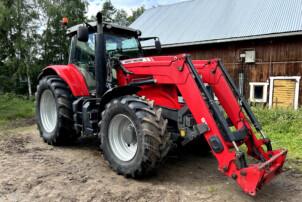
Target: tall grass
[284,127]
[14,107]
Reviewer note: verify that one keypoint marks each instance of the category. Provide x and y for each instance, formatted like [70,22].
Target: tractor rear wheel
[134,136]
[54,113]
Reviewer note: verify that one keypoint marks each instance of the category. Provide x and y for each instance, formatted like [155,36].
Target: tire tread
[157,140]
[65,132]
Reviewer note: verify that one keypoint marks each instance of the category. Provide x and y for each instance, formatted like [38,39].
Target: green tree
[108,11]
[121,18]
[54,41]
[3,11]
[25,40]
[31,36]
[4,28]
[135,14]
[18,34]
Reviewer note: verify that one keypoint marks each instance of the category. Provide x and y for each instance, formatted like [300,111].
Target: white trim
[271,84]
[252,91]
[297,93]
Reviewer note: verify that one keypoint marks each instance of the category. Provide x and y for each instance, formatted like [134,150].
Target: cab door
[82,55]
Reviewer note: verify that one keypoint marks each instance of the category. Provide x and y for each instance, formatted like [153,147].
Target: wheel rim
[123,137]
[48,111]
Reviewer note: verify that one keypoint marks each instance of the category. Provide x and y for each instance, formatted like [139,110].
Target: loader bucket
[252,178]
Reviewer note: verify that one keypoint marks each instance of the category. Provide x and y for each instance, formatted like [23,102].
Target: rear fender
[71,75]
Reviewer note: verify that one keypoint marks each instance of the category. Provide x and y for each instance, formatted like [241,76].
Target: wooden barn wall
[274,57]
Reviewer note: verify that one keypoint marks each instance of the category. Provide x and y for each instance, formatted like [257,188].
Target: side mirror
[157,44]
[83,34]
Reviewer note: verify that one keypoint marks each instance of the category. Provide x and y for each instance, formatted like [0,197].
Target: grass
[284,127]
[14,107]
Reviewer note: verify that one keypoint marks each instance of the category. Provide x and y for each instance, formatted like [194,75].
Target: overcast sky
[95,5]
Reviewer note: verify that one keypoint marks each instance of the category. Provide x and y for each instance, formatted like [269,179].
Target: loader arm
[191,79]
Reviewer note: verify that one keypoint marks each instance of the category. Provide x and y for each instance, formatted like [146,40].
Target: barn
[260,42]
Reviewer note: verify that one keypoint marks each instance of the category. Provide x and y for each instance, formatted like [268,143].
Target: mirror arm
[147,38]
[90,26]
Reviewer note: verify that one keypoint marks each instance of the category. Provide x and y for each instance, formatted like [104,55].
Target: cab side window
[84,60]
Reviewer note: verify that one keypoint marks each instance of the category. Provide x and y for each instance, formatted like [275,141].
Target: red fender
[71,75]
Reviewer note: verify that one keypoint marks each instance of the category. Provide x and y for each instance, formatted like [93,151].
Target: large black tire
[63,132]
[153,139]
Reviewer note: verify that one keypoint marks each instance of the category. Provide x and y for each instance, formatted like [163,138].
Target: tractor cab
[120,43]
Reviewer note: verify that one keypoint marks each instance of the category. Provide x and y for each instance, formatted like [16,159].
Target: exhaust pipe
[100,60]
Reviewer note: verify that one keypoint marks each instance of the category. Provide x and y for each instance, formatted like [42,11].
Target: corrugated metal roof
[208,21]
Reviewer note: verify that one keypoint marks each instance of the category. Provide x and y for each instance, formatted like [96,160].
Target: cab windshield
[83,53]
[125,46]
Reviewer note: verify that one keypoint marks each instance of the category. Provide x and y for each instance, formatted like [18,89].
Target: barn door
[284,92]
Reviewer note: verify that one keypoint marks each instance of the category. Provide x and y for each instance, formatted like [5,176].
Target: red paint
[163,95]
[173,78]
[73,77]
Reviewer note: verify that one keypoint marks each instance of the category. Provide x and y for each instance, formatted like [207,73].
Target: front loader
[140,106]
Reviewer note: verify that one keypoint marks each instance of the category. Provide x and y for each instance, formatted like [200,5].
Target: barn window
[258,91]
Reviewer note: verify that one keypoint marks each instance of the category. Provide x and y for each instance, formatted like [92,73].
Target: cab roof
[108,27]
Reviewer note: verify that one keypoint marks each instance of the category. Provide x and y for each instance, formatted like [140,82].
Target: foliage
[136,13]
[108,11]
[120,16]
[283,126]
[31,37]
[18,42]
[14,107]
[54,41]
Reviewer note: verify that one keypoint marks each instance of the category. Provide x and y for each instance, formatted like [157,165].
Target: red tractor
[139,106]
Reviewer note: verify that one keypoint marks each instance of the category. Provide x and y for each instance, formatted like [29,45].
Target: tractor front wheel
[134,136]
[54,111]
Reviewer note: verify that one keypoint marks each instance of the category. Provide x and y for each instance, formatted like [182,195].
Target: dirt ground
[31,170]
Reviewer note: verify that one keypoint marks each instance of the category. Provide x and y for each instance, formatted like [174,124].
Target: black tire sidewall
[123,166]
[45,85]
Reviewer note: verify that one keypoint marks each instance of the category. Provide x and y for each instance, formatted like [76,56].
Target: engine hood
[149,61]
